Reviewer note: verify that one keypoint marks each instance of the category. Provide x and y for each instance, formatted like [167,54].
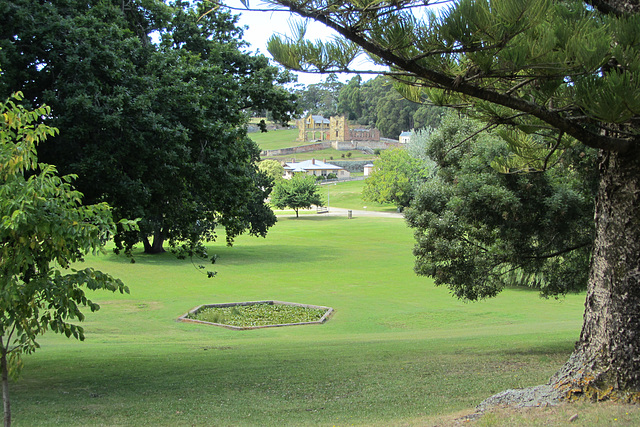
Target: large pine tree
[555,74]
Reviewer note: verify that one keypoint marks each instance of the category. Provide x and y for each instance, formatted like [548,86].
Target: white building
[405,137]
[314,167]
[368,168]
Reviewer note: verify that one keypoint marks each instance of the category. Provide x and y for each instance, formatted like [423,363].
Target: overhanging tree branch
[580,131]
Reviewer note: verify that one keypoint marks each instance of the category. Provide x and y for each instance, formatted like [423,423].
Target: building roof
[319,119]
[310,165]
[406,133]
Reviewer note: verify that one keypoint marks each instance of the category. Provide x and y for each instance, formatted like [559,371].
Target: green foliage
[158,130]
[350,99]
[273,169]
[303,55]
[479,230]
[320,98]
[394,176]
[44,229]
[299,192]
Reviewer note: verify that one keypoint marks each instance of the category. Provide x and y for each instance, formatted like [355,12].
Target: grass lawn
[397,351]
[348,195]
[325,154]
[276,139]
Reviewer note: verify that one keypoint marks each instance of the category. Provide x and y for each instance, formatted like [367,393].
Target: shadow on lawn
[239,254]
[275,254]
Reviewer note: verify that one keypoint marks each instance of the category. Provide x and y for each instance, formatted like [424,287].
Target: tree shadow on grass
[275,254]
[237,255]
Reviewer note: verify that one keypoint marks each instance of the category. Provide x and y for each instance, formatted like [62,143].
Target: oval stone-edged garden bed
[257,314]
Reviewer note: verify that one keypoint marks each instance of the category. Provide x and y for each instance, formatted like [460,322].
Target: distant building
[405,137]
[314,167]
[368,168]
[317,128]
[313,128]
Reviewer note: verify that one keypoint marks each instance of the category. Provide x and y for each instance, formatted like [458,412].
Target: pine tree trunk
[6,404]
[606,361]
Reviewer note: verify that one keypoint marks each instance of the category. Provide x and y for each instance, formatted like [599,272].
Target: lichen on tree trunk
[606,360]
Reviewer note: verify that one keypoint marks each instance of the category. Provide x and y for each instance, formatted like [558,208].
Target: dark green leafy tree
[44,229]
[427,116]
[299,192]
[394,114]
[479,230]
[371,92]
[556,75]
[350,99]
[393,180]
[155,129]
[320,98]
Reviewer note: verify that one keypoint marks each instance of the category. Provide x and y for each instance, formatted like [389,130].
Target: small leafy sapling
[44,232]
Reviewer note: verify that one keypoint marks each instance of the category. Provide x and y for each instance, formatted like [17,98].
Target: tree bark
[6,404]
[157,247]
[606,360]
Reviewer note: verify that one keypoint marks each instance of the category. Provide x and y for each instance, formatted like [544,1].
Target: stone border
[324,318]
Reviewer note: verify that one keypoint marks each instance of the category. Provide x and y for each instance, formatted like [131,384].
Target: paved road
[357,213]
[361,213]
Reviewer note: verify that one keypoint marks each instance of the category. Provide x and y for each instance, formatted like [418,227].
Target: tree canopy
[152,101]
[479,230]
[273,169]
[44,228]
[394,177]
[299,192]
[320,98]
[553,75]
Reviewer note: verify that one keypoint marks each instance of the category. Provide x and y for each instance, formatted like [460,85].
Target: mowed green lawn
[398,351]
[348,195]
[276,139]
[285,138]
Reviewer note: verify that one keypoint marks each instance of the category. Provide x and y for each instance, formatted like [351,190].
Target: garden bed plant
[258,314]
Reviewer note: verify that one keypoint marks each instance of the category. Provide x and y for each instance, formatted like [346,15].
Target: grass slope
[276,139]
[285,138]
[348,195]
[397,351]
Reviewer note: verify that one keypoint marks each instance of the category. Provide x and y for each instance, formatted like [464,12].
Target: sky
[261,25]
